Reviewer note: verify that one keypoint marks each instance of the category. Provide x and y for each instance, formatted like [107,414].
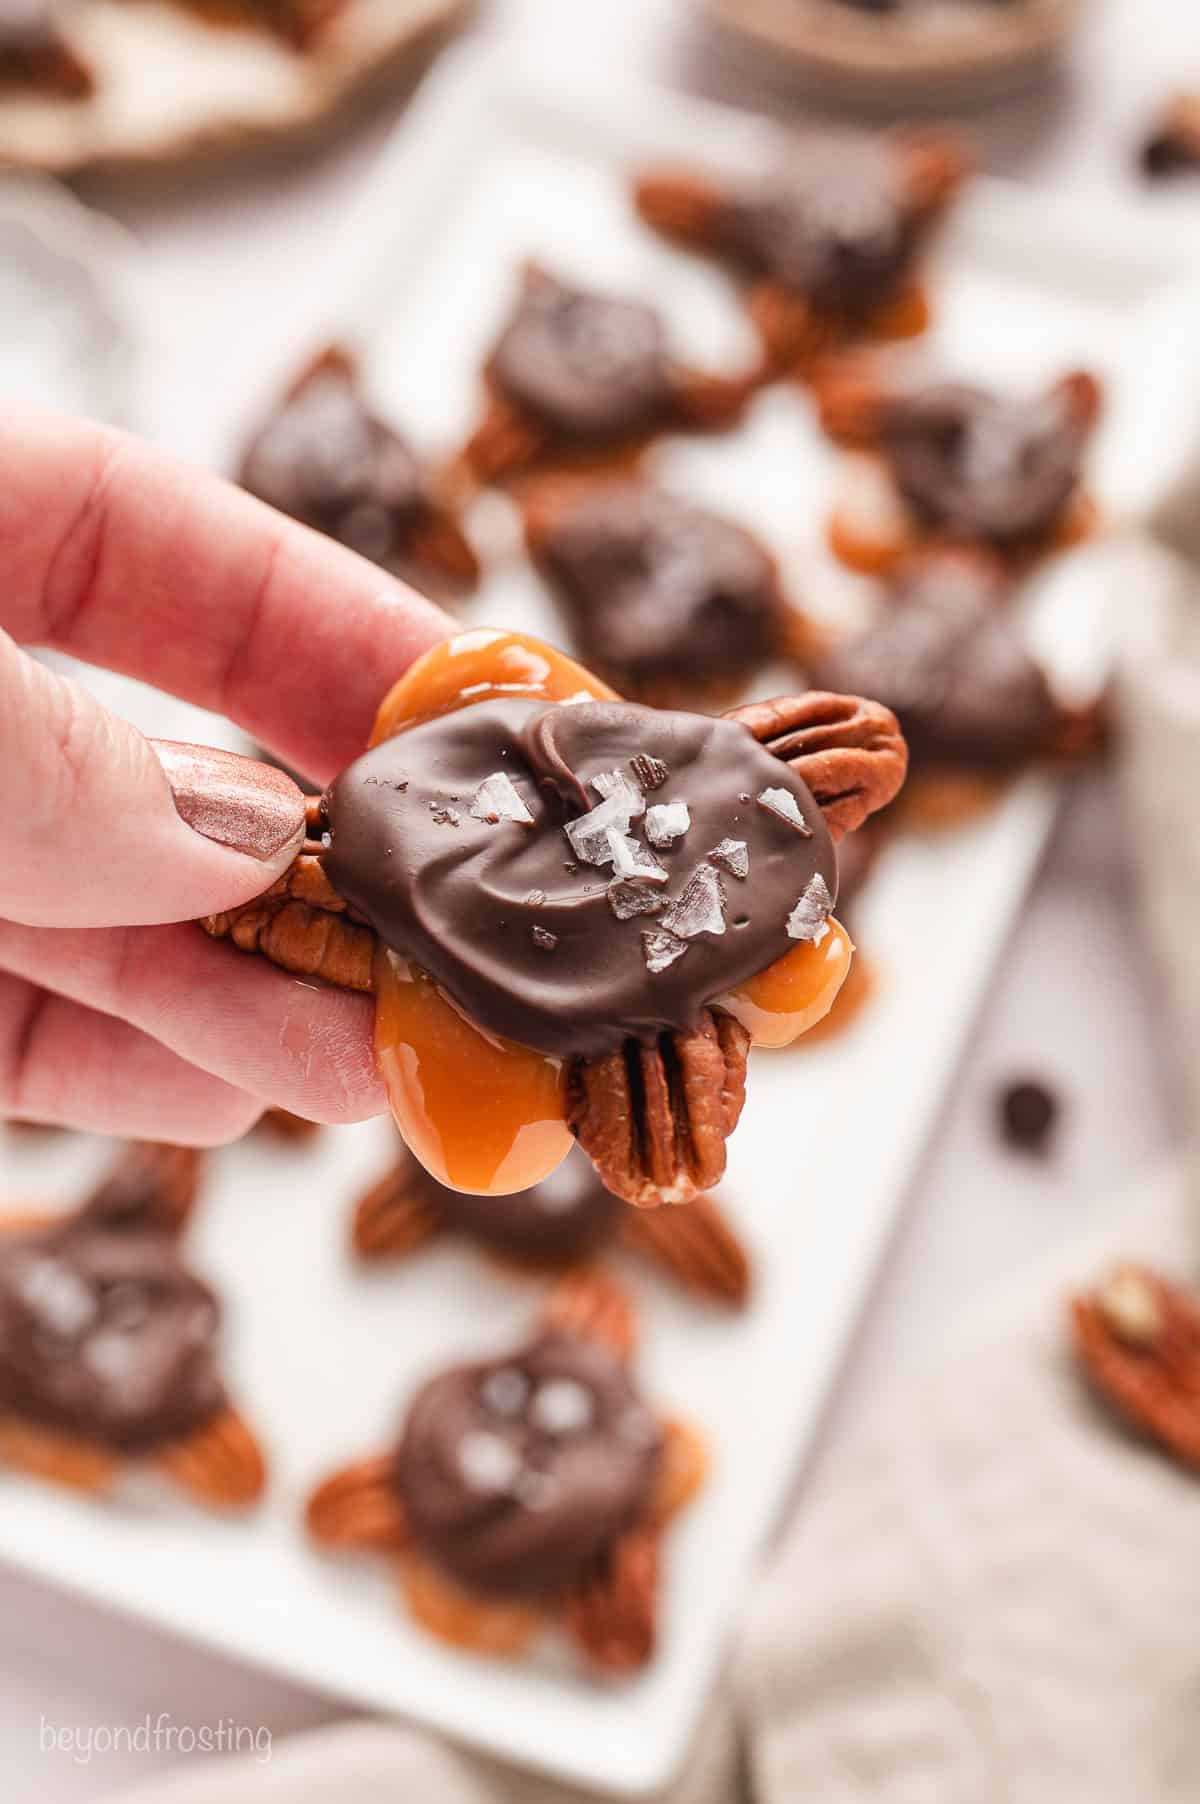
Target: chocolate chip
[1027,1112]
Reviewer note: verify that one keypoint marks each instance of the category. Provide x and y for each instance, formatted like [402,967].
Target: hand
[111,1017]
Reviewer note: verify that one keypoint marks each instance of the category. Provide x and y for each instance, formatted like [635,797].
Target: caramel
[795,992]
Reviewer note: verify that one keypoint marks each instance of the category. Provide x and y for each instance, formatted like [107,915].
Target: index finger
[127,558]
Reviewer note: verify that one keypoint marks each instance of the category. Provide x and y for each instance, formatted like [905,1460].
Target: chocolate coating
[560,1221]
[104,1335]
[514,928]
[982,466]
[659,592]
[832,222]
[951,664]
[588,366]
[324,458]
[517,1473]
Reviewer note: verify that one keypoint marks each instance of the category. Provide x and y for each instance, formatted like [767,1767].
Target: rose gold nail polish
[237,802]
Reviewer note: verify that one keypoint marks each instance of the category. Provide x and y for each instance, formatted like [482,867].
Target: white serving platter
[489,168]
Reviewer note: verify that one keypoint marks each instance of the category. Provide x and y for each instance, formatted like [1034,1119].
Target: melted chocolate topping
[570,936]
[564,1219]
[324,458]
[832,222]
[982,466]
[105,1335]
[947,658]
[589,366]
[658,591]
[518,1473]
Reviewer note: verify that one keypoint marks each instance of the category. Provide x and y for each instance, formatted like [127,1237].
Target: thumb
[105,828]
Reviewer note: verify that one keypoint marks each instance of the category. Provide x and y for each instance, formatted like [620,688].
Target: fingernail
[235,801]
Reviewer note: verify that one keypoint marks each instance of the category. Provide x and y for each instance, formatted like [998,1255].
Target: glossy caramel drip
[797,991]
[482,1113]
[478,666]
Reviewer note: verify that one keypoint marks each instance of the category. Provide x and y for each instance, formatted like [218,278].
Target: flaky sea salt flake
[615,783]
[497,799]
[589,833]
[629,899]
[699,907]
[632,862]
[809,915]
[661,949]
[666,822]
[733,855]
[783,803]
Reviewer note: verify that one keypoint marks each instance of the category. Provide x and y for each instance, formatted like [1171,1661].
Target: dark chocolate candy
[587,366]
[1173,147]
[983,466]
[105,1335]
[517,1474]
[560,1221]
[659,592]
[1028,1112]
[461,894]
[951,663]
[832,222]
[324,458]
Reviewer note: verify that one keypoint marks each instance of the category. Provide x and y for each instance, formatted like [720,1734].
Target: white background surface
[1073,1001]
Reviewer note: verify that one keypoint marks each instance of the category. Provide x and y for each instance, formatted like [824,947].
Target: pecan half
[221,1464]
[696,1245]
[851,397]
[654,1119]
[589,1305]
[281,1124]
[392,1219]
[681,204]
[62,1458]
[681,1473]
[850,752]
[150,1184]
[481,1625]
[1137,1337]
[612,1613]
[358,1507]
[302,925]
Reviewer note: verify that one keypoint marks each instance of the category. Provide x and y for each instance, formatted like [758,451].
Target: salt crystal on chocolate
[629,899]
[784,804]
[497,799]
[589,833]
[699,907]
[562,1406]
[615,783]
[486,1462]
[632,862]
[809,915]
[505,1391]
[661,949]
[733,855]
[666,822]
[543,938]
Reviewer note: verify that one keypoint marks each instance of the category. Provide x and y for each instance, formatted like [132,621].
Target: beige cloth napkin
[995,1597]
